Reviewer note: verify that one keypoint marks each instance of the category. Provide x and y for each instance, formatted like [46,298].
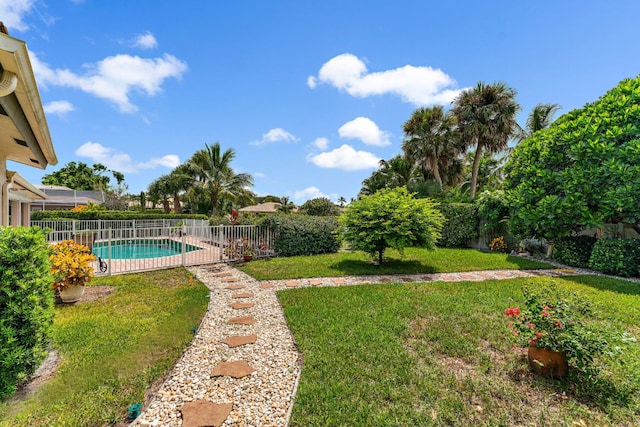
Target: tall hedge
[461,224]
[26,304]
[619,257]
[303,234]
[108,215]
[574,250]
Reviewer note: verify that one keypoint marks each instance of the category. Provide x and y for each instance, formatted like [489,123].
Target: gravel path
[265,396]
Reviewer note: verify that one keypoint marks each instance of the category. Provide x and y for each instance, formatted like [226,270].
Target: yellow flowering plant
[71,264]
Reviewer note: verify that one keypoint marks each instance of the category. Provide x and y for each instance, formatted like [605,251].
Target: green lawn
[113,349]
[415,261]
[441,354]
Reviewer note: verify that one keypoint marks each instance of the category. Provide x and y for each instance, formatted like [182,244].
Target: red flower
[559,325]
[533,342]
[538,334]
[512,311]
[544,314]
[515,332]
[531,325]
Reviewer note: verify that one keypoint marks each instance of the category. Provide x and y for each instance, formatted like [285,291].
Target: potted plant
[557,337]
[248,254]
[71,268]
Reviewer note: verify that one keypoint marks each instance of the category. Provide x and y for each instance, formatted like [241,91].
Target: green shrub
[108,215]
[619,257]
[574,250]
[303,234]
[492,214]
[26,304]
[461,224]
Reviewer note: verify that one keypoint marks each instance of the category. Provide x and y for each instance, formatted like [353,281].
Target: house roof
[269,207]
[24,133]
[23,190]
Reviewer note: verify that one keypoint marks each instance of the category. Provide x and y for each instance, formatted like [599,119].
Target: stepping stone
[291,283]
[407,279]
[222,274]
[315,282]
[236,369]
[239,305]
[339,281]
[230,279]
[426,278]
[385,280]
[238,340]
[244,295]
[266,285]
[203,413]
[234,287]
[245,320]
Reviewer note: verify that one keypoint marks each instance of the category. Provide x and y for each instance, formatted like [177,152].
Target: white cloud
[259,174]
[320,143]
[345,158]
[13,12]
[145,41]
[115,77]
[309,193]
[366,130]
[61,108]
[275,135]
[122,162]
[417,85]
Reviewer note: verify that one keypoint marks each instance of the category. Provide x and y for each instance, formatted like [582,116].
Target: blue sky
[310,95]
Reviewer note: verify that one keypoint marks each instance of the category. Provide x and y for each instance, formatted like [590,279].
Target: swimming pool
[140,248]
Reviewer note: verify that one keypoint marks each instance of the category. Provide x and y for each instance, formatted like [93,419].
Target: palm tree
[430,139]
[214,177]
[179,182]
[159,189]
[540,117]
[392,173]
[342,201]
[486,116]
[286,205]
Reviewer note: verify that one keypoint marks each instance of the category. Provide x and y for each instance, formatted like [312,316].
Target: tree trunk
[177,207]
[474,170]
[165,205]
[380,256]
[436,172]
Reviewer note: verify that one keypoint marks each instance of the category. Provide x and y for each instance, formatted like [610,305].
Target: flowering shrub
[498,244]
[71,264]
[551,321]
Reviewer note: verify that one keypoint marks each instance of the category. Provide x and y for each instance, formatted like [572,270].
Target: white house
[24,134]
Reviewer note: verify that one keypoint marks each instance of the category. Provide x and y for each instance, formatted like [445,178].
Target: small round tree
[391,218]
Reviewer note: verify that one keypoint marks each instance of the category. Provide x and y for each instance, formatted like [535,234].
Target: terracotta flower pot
[547,362]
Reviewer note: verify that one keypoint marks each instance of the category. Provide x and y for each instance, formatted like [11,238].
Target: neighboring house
[24,134]
[60,197]
[270,207]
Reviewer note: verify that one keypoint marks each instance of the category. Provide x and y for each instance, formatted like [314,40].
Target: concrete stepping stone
[244,320]
[407,279]
[234,287]
[266,285]
[235,369]
[291,283]
[239,305]
[237,340]
[243,295]
[426,278]
[339,281]
[230,279]
[385,280]
[199,413]
[315,282]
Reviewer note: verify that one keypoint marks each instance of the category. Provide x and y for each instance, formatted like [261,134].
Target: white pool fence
[124,246]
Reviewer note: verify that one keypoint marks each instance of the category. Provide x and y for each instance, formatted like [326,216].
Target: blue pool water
[140,249]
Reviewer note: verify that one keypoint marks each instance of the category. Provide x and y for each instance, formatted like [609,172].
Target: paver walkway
[242,366]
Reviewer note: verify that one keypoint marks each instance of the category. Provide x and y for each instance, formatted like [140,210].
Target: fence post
[184,247]
[109,253]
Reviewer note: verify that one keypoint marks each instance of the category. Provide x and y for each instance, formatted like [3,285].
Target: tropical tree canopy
[581,172]
[80,176]
[320,206]
[430,140]
[486,117]
[214,178]
[391,218]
